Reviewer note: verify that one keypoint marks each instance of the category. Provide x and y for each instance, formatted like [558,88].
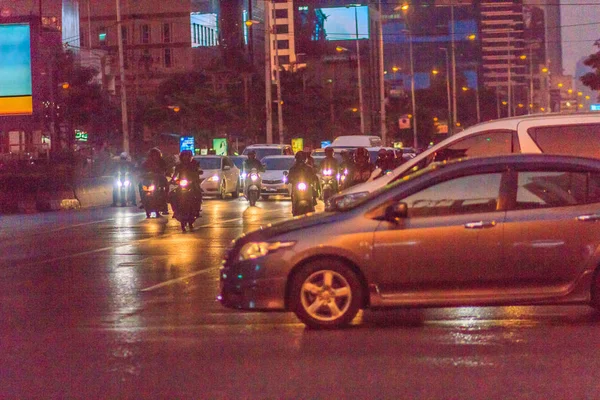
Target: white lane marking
[64,228]
[129,244]
[183,278]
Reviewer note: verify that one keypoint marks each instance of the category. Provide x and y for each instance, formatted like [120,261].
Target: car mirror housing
[226,168]
[396,211]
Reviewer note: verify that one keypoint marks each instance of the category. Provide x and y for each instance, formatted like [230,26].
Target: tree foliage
[592,79]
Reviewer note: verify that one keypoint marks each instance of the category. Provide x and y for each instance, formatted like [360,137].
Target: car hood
[272,175]
[271,231]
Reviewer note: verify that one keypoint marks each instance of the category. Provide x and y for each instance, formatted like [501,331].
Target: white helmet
[124,156]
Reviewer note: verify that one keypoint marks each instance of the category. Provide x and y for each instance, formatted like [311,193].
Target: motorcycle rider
[346,168]
[156,167]
[330,163]
[363,168]
[124,167]
[252,163]
[302,172]
[189,169]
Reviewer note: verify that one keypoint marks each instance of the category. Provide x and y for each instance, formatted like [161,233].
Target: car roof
[254,146]
[534,160]
[210,156]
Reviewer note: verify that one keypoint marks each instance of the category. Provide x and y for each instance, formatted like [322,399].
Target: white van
[567,134]
[356,141]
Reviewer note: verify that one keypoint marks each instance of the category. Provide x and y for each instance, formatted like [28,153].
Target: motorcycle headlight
[119,183]
[214,178]
[253,250]
[254,177]
[285,179]
[127,183]
[302,186]
[244,175]
[183,183]
[327,172]
[151,188]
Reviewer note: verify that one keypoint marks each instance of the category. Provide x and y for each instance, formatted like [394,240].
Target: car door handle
[480,224]
[588,217]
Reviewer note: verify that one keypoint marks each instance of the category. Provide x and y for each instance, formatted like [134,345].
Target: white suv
[568,134]
[263,150]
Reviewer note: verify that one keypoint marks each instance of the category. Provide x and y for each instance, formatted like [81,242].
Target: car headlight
[302,186]
[126,183]
[244,175]
[253,250]
[341,202]
[183,183]
[254,177]
[214,178]
[119,183]
[284,179]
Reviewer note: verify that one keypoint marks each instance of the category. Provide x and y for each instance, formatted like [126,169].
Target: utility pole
[509,78]
[89,21]
[453,53]
[450,127]
[278,81]
[268,72]
[382,110]
[124,119]
[360,88]
[412,89]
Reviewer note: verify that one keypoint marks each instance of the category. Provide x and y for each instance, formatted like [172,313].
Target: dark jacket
[249,165]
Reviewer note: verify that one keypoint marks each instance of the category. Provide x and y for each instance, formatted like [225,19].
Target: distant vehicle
[357,141]
[319,155]
[273,179]
[567,134]
[507,230]
[263,150]
[220,176]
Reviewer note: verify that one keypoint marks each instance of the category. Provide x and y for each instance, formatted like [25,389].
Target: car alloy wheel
[327,294]
[222,189]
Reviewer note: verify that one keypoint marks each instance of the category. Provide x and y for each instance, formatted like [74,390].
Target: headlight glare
[214,178]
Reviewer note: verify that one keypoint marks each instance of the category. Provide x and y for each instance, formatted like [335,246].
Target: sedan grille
[272,182]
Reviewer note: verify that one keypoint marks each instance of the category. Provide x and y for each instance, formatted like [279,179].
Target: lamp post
[124,120]
[382,116]
[450,123]
[277,78]
[405,8]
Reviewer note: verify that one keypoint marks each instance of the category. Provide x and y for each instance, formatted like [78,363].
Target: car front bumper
[275,188]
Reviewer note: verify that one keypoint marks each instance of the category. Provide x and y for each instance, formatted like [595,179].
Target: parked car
[220,176]
[263,150]
[507,230]
[273,179]
[567,134]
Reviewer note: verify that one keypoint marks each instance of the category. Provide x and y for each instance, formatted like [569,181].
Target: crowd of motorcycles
[185,195]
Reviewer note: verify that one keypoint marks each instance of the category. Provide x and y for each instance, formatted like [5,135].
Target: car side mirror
[226,168]
[396,211]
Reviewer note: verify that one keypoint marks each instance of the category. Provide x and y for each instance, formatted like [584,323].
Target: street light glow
[435,72]
[464,88]
[545,70]
[395,69]
[523,57]
[472,36]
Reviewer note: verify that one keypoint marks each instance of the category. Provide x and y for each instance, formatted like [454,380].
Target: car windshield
[238,161]
[209,162]
[354,200]
[278,163]
[265,151]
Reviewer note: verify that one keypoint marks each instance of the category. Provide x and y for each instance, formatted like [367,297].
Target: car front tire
[326,294]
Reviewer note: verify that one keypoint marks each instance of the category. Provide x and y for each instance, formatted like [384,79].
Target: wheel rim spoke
[327,278]
[342,292]
[311,288]
[314,307]
[334,309]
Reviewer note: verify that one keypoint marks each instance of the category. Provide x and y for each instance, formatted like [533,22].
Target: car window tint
[464,195]
[573,140]
[491,143]
[550,189]
[593,188]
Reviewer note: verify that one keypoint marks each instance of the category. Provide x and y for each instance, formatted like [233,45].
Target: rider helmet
[300,156]
[329,151]
[185,156]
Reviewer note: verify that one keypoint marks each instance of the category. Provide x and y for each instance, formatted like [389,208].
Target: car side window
[545,189]
[464,195]
[572,140]
[227,162]
[492,143]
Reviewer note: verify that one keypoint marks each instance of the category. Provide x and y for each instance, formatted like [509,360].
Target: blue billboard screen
[336,23]
[15,70]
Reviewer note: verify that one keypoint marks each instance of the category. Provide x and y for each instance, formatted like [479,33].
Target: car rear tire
[222,190]
[326,294]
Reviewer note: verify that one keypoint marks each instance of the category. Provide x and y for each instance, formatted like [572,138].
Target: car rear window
[572,140]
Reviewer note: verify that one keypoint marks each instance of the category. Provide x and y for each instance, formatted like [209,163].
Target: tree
[592,79]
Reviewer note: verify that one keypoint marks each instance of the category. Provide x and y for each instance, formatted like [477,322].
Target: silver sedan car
[511,230]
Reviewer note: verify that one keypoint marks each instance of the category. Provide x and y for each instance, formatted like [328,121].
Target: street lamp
[450,123]
[359,72]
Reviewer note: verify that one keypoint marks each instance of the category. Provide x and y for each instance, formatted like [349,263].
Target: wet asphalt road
[106,304]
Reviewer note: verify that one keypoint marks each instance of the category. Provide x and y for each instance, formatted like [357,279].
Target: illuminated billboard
[15,70]
[336,23]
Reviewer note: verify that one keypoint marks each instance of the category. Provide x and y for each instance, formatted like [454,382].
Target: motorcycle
[302,198]
[122,189]
[328,183]
[187,205]
[153,196]
[253,184]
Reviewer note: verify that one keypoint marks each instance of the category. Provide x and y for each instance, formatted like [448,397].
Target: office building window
[281,13]
[168,58]
[166,33]
[279,29]
[145,34]
[281,44]
[284,60]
